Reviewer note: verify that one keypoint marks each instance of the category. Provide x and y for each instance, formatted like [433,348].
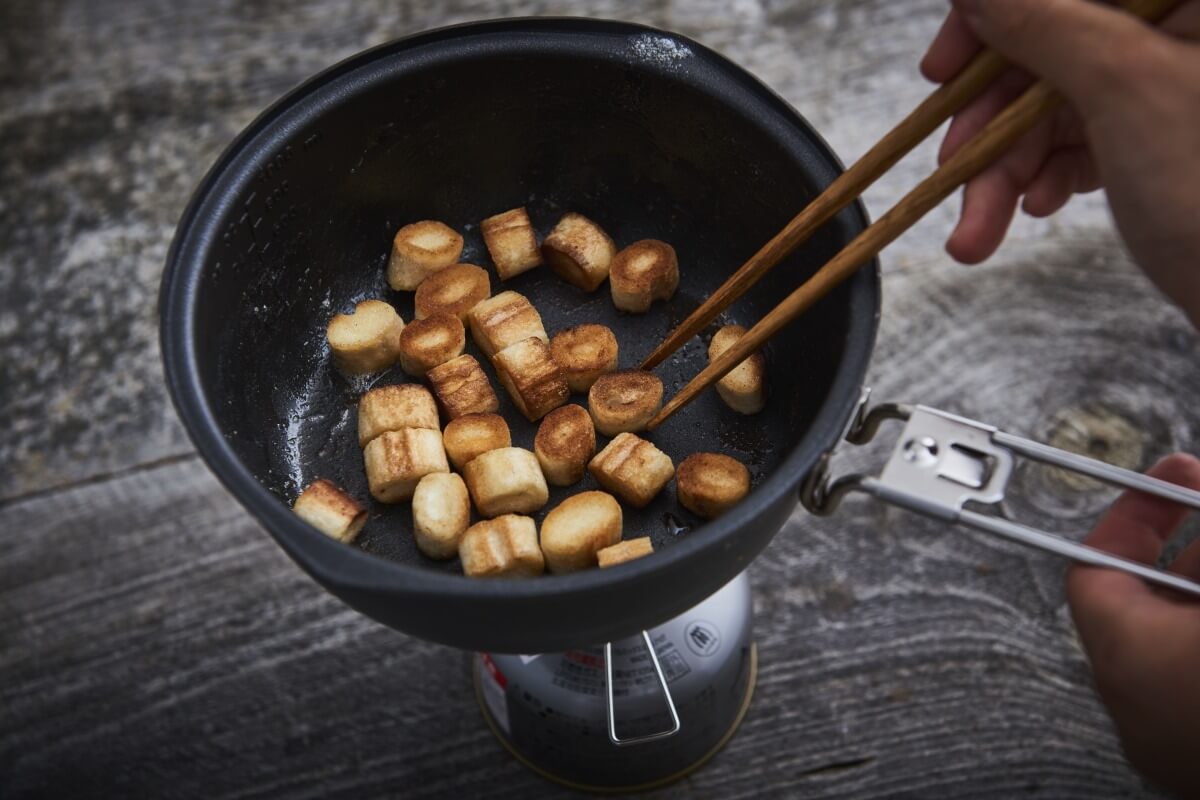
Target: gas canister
[623,715]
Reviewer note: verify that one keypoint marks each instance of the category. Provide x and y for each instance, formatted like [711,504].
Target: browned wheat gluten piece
[709,484]
[565,442]
[506,480]
[330,510]
[579,251]
[390,408]
[504,547]
[632,468]
[744,387]
[584,352]
[454,290]
[419,250]
[441,513]
[462,387]
[511,242]
[397,460]
[367,339]
[504,320]
[473,434]
[624,401]
[643,272]
[578,527]
[428,342]
[532,377]
[624,551]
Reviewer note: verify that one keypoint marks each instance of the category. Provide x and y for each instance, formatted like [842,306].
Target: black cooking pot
[646,132]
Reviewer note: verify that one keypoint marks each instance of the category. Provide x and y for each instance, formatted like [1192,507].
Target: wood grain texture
[155,642]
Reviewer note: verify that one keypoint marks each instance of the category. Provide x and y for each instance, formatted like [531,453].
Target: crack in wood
[838,767]
[100,477]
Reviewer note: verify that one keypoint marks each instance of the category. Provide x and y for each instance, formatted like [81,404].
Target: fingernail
[970,10]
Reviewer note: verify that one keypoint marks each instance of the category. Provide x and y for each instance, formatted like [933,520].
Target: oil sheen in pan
[316,435]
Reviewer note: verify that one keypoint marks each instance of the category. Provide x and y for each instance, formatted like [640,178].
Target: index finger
[1136,527]
[951,49]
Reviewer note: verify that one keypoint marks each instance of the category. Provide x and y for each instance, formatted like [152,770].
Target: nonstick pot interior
[649,134]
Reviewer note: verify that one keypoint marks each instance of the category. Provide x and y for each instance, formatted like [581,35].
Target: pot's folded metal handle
[942,461]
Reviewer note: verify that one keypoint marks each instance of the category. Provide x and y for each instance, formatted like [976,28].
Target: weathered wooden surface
[154,641]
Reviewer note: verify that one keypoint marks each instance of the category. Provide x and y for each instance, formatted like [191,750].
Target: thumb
[1077,46]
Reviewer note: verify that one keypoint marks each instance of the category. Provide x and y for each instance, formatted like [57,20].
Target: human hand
[1144,642]
[1131,124]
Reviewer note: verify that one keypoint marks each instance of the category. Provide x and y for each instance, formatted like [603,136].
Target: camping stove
[632,714]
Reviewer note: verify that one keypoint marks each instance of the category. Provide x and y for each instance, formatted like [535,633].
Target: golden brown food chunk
[565,442]
[744,387]
[454,290]
[504,320]
[624,551]
[532,377]
[579,251]
[441,513]
[473,434]
[507,480]
[330,510]
[632,468]
[624,401]
[428,342]
[390,408]
[709,484]
[643,272]
[511,242]
[397,460]
[419,250]
[584,352]
[504,547]
[462,387]
[367,339]
[578,527]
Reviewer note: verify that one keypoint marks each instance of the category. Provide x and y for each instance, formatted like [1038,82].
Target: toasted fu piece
[532,377]
[744,387]
[504,547]
[453,290]
[474,434]
[330,510]
[579,251]
[584,352]
[577,527]
[462,387]
[507,480]
[428,342]
[511,242]
[367,339]
[624,401]
[390,408]
[643,272]
[624,551]
[565,443]
[632,469]
[419,250]
[504,320]
[441,513]
[709,484]
[397,460]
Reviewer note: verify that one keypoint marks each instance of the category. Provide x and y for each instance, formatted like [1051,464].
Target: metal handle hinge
[942,461]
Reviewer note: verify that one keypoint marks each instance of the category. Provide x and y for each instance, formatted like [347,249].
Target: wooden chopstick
[923,120]
[970,160]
